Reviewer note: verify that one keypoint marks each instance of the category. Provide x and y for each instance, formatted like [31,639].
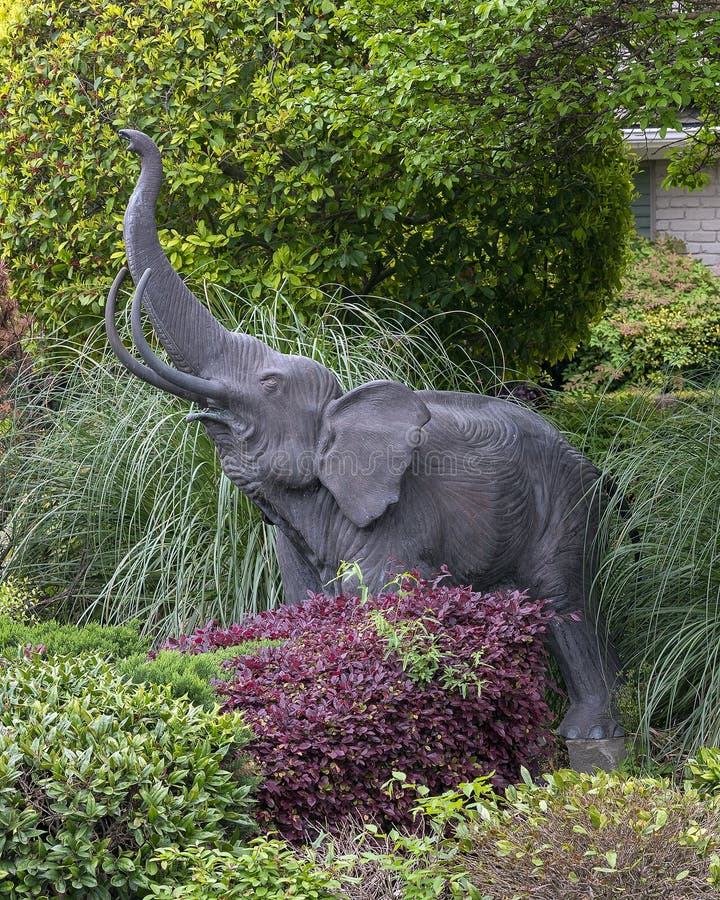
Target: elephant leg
[299,577]
[589,666]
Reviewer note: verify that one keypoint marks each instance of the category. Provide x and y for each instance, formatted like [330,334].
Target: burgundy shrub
[359,690]
[280,623]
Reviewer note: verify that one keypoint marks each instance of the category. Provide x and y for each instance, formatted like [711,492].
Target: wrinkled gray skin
[386,476]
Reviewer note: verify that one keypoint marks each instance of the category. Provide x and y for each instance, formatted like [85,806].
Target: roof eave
[649,143]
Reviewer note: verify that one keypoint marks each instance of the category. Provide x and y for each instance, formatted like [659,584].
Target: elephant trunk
[185,327]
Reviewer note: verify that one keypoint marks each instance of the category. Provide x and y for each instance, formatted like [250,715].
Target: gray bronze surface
[605,754]
[383,475]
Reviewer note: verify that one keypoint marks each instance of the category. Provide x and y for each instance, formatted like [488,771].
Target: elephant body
[492,491]
[384,476]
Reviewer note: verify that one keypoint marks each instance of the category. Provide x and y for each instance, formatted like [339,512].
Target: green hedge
[113,642]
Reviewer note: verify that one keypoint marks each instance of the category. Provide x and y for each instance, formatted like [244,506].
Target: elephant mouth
[222,416]
[228,421]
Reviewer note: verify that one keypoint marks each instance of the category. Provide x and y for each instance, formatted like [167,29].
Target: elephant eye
[270,383]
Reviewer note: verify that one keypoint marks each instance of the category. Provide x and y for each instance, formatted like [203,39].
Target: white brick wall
[692,216]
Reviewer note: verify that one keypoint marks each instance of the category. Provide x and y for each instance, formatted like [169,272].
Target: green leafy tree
[462,156]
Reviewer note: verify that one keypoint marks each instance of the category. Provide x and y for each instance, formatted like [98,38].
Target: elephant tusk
[192,384]
[134,366]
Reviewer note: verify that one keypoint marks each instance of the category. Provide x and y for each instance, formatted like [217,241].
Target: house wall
[642,202]
[692,216]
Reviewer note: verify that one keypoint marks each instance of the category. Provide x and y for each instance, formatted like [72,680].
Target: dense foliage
[97,776]
[447,156]
[110,642]
[598,424]
[266,868]
[13,326]
[664,321]
[440,683]
[18,600]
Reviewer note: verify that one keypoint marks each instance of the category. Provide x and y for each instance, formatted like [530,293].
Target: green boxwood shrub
[98,775]
[112,642]
[187,676]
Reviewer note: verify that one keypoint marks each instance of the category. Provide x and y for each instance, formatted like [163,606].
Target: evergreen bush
[187,675]
[56,638]
[97,776]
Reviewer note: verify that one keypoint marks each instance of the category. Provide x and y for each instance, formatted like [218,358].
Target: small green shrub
[97,776]
[574,836]
[664,320]
[17,600]
[113,642]
[187,675]
[266,868]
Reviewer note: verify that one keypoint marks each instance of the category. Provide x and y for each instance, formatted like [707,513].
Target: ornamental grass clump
[440,683]
[658,584]
[97,776]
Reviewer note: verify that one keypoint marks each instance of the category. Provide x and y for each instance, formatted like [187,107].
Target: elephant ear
[366,443]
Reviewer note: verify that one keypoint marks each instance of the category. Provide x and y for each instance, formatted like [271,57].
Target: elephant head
[280,422]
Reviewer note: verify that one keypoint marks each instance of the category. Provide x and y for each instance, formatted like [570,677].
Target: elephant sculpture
[383,475]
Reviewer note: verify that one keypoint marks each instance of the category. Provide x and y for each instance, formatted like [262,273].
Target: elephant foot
[589,722]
